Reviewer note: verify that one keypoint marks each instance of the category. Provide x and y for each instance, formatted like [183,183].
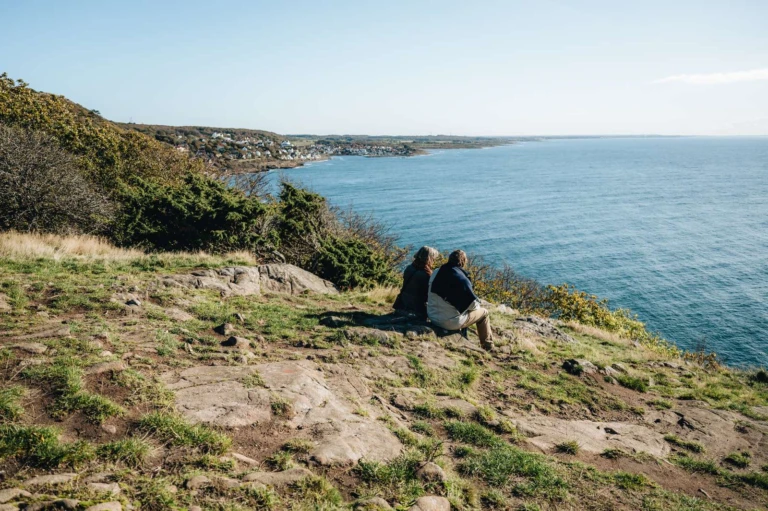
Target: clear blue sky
[402,67]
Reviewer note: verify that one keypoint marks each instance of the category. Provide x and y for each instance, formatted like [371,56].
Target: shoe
[488,345]
[464,333]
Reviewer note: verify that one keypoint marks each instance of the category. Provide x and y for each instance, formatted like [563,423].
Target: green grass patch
[10,408]
[298,445]
[499,465]
[660,404]
[175,430]
[687,445]
[570,447]
[472,433]
[280,406]
[132,452]
[738,459]
[38,446]
[696,466]
[632,382]
[65,379]
[253,381]
[629,481]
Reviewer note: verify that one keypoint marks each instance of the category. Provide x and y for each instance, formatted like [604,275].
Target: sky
[543,67]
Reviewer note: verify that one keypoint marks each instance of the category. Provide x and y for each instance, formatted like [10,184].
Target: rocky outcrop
[216,395]
[542,327]
[547,432]
[252,280]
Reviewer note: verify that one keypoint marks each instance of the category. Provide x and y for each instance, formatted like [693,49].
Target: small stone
[278,479]
[109,428]
[431,503]
[106,506]
[50,479]
[578,366]
[112,488]
[32,347]
[98,477]
[196,482]
[172,488]
[239,343]
[225,329]
[12,493]
[244,459]
[114,366]
[372,504]
[431,472]
[195,508]
[225,482]
[133,302]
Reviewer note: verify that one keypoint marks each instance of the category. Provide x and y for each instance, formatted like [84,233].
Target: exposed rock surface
[278,479]
[12,493]
[252,280]
[215,394]
[542,327]
[372,504]
[106,506]
[546,432]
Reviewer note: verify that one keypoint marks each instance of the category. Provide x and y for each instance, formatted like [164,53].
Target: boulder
[177,314]
[431,503]
[35,348]
[292,280]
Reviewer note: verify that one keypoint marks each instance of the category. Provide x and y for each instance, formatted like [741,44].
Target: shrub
[42,188]
[200,213]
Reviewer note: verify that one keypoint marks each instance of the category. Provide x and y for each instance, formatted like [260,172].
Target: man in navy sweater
[453,305]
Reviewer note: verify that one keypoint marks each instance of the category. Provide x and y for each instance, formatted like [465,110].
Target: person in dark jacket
[413,295]
[452,303]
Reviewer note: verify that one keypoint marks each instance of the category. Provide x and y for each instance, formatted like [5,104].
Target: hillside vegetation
[168,381]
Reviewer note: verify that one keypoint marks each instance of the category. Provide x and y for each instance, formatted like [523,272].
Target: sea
[673,228]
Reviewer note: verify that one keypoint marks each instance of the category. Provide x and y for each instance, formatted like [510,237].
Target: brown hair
[425,258]
[458,258]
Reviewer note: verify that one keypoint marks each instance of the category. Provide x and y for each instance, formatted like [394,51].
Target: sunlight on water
[675,229]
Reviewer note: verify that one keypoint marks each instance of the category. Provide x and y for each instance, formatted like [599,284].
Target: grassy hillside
[124,385]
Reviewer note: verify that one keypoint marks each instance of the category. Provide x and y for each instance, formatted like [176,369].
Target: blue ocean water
[675,229]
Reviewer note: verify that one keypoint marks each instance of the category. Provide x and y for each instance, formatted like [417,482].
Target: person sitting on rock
[452,303]
[413,296]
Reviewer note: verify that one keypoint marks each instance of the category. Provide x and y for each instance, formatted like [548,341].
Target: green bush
[199,214]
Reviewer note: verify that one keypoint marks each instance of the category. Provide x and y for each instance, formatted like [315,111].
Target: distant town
[243,150]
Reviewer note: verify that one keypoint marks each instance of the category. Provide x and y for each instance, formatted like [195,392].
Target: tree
[42,187]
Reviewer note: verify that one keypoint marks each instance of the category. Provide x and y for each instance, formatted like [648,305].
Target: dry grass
[597,333]
[382,294]
[15,245]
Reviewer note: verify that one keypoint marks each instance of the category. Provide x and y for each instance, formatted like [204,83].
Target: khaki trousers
[479,317]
